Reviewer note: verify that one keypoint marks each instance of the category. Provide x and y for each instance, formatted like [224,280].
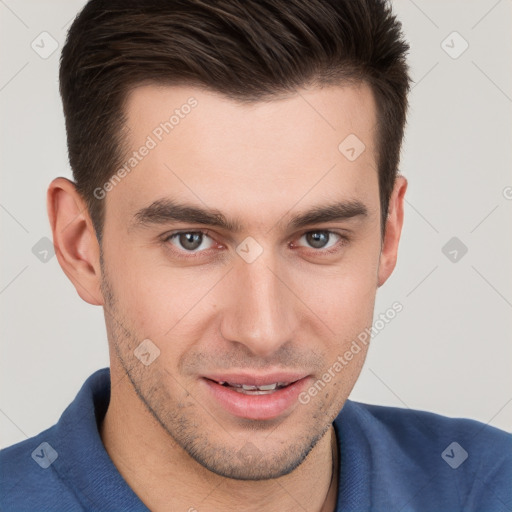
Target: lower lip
[257,407]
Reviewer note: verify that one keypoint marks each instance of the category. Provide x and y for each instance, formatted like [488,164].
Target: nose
[259,310]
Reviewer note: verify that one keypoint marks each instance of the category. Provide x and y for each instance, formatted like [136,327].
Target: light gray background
[448,351]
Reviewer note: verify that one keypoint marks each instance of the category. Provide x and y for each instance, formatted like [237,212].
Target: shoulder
[411,425]
[454,460]
[45,472]
[28,478]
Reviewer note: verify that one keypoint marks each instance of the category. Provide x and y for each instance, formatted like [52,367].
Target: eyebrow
[164,211]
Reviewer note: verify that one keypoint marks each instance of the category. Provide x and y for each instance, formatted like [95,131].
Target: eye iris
[190,241]
[317,239]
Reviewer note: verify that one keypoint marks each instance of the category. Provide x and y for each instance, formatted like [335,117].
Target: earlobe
[74,238]
[394,223]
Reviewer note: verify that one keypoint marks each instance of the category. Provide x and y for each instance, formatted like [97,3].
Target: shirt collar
[354,455]
[83,462]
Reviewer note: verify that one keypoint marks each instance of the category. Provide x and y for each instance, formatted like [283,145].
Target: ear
[74,239]
[394,223]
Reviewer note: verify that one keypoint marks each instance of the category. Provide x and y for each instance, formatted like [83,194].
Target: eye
[321,239]
[190,241]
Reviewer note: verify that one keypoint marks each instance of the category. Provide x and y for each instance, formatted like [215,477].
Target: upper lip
[256,380]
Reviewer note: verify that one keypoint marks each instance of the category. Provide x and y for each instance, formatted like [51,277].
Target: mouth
[248,389]
[256,397]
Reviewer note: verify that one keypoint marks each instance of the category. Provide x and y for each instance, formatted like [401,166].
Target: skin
[294,308]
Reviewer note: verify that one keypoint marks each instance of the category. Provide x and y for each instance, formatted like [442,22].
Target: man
[236,205]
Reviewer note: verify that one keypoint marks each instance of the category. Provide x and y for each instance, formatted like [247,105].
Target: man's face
[256,300]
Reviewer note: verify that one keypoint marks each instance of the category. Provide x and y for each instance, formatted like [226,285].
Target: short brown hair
[248,50]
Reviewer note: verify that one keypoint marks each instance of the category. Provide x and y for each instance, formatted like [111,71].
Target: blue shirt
[391,459]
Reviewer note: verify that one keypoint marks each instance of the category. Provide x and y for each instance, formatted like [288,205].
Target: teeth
[263,389]
[267,387]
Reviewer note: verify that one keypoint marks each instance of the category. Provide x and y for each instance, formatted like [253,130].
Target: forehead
[244,158]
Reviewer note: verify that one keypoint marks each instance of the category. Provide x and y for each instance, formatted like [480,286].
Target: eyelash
[343,241]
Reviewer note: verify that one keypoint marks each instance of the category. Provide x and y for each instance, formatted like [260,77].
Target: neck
[161,473]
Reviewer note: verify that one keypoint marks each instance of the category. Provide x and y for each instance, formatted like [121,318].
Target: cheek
[342,295]
[342,312]
[160,300]
[344,306]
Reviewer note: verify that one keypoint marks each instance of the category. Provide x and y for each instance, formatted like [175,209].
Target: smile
[249,389]
[257,398]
